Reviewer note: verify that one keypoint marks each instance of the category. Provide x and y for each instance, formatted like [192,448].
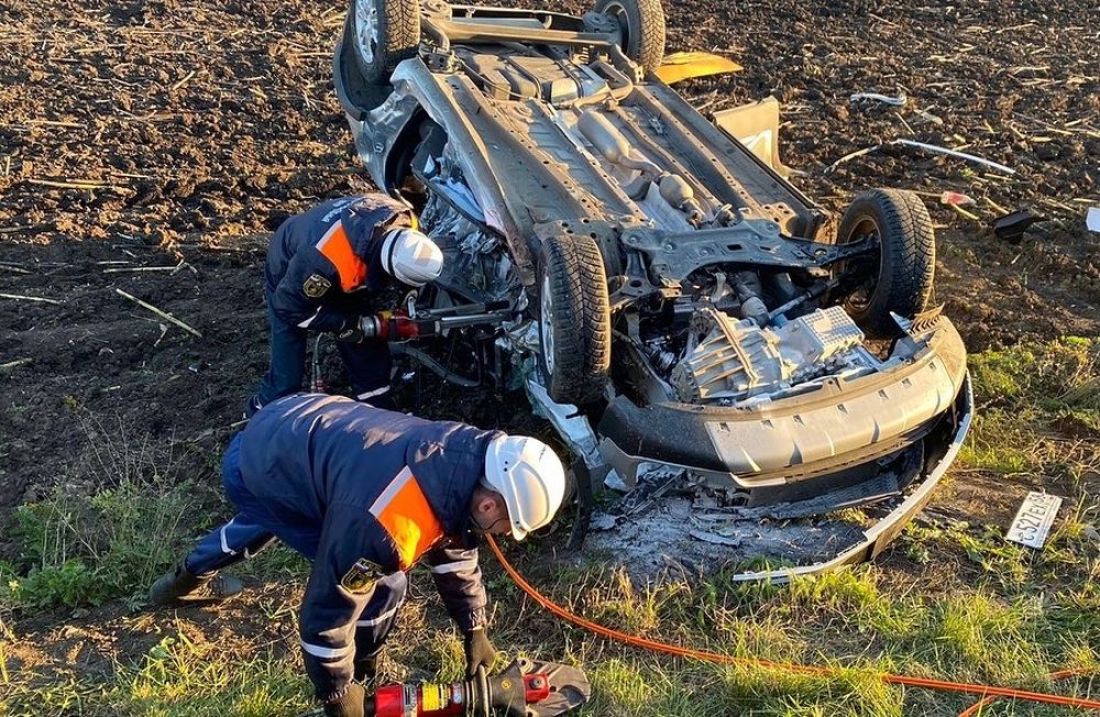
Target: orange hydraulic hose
[986,701]
[707,656]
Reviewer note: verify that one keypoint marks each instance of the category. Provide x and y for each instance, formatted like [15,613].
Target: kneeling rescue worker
[365,494]
[322,269]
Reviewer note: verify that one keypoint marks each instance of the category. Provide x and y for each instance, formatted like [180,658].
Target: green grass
[953,600]
[177,678]
[1025,394]
[82,548]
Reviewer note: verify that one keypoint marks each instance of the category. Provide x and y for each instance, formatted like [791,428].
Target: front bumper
[878,536]
[796,447]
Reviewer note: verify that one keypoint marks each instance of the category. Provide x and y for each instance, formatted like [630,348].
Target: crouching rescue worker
[322,269]
[366,493]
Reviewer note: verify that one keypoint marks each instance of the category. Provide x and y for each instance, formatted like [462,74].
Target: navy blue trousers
[254,527]
[367,363]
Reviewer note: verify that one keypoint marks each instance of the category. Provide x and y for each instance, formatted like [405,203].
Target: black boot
[180,584]
[366,669]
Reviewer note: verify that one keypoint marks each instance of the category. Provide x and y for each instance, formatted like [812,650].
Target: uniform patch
[361,578]
[316,286]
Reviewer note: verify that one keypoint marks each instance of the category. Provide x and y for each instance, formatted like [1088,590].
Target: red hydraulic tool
[391,326]
[524,689]
[399,325]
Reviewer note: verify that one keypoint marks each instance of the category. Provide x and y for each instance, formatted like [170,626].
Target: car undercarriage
[668,299]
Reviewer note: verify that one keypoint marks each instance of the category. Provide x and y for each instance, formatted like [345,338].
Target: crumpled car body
[705,320]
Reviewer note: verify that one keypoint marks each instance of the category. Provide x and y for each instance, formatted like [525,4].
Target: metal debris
[926,147]
[955,153]
[898,101]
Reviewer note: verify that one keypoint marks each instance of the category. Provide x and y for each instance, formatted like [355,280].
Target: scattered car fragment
[997,166]
[1092,220]
[936,149]
[1033,520]
[676,304]
[1012,226]
[680,66]
[898,101]
[956,199]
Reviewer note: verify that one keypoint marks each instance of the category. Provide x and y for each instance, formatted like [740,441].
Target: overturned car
[687,311]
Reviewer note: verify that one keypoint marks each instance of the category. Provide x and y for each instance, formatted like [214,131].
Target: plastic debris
[1092,220]
[681,66]
[898,101]
[956,199]
[1012,226]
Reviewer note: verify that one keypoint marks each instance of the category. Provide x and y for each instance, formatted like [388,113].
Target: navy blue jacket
[323,264]
[317,460]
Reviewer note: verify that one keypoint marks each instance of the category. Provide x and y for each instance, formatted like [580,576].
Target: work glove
[479,651]
[351,332]
[350,704]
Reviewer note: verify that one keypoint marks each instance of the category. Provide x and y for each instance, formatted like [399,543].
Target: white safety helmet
[531,478]
[411,257]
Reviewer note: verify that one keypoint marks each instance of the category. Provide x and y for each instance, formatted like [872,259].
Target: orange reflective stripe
[336,247]
[404,512]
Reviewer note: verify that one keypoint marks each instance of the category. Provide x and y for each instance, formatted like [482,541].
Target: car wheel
[382,33]
[574,319]
[641,29]
[901,283]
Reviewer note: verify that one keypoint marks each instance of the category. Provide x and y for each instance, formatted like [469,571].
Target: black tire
[642,24]
[903,280]
[398,35]
[574,320]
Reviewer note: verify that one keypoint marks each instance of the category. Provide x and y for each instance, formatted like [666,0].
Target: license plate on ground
[1033,520]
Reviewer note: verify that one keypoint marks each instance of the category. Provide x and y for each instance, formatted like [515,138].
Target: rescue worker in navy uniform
[365,494]
[322,269]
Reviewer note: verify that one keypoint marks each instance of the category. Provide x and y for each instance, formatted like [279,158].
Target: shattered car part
[680,66]
[782,535]
[687,308]
[1013,226]
[1092,220]
[898,101]
[935,149]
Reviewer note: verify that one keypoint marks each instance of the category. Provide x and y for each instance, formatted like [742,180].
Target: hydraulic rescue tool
[400,325]
[524,689]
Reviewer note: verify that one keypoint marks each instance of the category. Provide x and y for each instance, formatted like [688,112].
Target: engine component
[474,255]
[748,287]
[738,359]
[611,143]
[676,190]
